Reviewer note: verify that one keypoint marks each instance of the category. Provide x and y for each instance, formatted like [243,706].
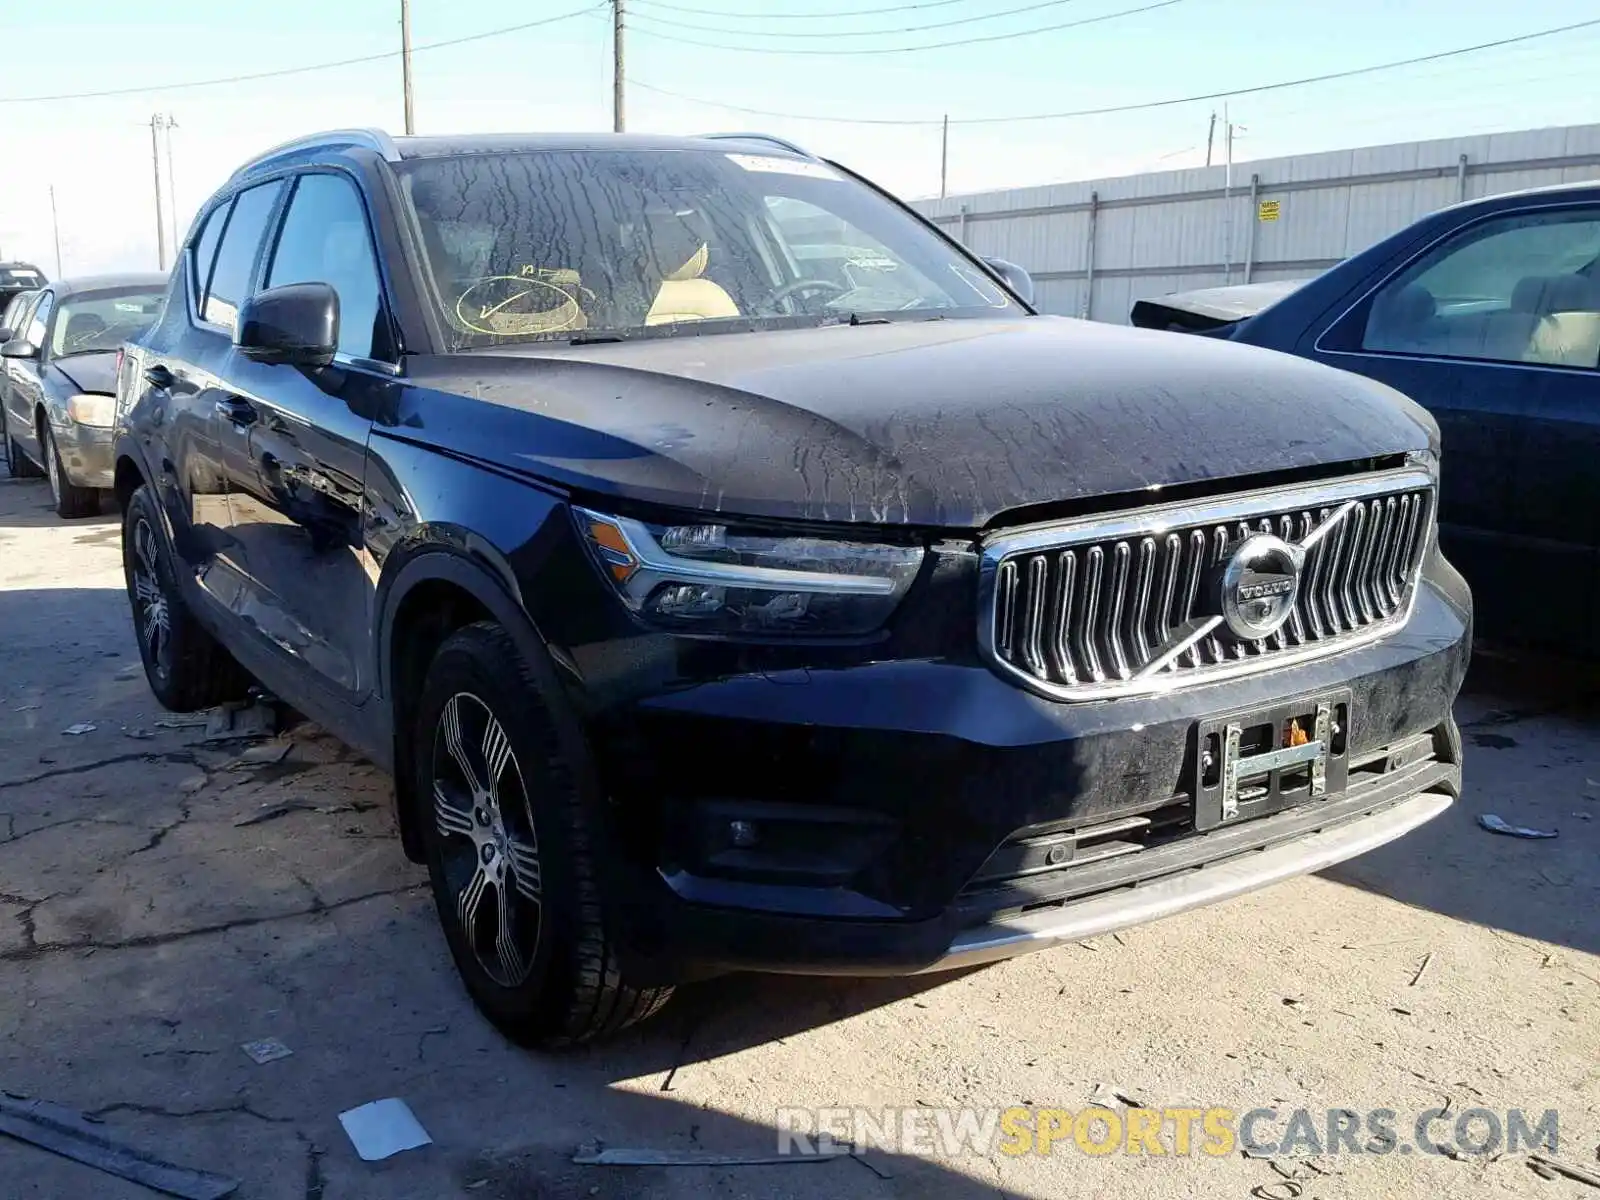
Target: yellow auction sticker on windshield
[783,166]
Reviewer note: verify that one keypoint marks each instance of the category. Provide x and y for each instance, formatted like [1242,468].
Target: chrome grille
[1127,604]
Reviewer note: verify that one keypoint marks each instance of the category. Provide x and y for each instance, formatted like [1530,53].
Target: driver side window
[325,240]
[823,245]
[39,319]
[1523,288]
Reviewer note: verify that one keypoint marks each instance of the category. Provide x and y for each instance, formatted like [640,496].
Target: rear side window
[325,240]
[14,310]
[205,251]
[1523,288]
[236,256]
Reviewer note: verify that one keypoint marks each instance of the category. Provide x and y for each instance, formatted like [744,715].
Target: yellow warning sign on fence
[1267,210]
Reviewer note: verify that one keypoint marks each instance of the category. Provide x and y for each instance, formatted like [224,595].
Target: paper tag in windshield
[783,166]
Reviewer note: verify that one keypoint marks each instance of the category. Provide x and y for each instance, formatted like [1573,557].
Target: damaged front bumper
[87,453]
[900,817]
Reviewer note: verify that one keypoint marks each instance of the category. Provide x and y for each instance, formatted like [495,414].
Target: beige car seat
[685,295]
[1567,331]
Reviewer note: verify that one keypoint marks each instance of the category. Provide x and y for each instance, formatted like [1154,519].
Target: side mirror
[19,348]
[295,325]
[1014,277]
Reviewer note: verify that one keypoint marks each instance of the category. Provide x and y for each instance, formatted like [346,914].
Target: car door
[24,385]
[18,314]
[1495,329]
[298,502]
[182,364]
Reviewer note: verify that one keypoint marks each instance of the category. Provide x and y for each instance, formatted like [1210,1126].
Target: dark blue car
[1487,314]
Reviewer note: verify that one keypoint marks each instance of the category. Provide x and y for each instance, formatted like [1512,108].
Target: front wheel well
[428,614]
[126,481]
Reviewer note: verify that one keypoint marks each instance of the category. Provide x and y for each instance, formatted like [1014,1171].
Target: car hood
[96,372]
[1211,308]
[941,423]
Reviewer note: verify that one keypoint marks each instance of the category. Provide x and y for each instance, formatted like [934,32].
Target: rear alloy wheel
[71,500]
[512,848]
[187,668]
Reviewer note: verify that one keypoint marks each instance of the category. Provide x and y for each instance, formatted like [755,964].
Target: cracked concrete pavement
[160,905]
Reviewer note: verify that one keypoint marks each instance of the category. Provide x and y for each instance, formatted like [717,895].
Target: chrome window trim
[1160,519]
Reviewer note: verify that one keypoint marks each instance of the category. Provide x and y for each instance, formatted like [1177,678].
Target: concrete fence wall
[1095,247]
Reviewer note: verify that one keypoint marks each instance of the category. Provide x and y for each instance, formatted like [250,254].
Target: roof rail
[771,139]
[332,139]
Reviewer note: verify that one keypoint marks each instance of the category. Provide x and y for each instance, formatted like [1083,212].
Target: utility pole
[172,187]
[618,115]
[944,157]
[55,223]
[405,61]
[161,220]
[1211,136]
[1227,197]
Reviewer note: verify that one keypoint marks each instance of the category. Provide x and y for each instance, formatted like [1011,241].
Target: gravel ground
[149,926]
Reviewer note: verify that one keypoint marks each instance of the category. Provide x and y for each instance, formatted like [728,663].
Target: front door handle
[236,410]
[158,377]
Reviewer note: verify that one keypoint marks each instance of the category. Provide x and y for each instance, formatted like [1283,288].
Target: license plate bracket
[1259,761]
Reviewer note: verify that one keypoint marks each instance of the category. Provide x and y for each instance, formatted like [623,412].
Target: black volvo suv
[736,573]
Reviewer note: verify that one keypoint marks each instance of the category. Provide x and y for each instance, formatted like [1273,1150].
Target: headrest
[1409,308]
[676,241]
[693,269]
[1545,294]
[84,324]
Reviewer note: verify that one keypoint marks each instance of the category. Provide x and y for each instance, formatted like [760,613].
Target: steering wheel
[780,294]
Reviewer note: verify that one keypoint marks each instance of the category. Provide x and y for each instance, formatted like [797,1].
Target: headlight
[99,411]
[717,579]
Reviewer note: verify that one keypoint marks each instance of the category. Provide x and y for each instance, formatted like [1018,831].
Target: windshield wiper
[593,339]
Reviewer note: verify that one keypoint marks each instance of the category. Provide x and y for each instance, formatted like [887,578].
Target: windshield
[571,244]
[98,321]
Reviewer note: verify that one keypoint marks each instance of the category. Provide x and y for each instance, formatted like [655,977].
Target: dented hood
[942,423]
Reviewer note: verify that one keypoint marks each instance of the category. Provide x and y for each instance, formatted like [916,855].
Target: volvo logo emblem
[1260,584]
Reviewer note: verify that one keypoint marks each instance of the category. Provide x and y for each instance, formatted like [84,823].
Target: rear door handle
[158,377]
[237,410]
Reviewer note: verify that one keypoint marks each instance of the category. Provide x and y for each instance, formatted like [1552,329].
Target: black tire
[571,988]
[187,668]
[71,500]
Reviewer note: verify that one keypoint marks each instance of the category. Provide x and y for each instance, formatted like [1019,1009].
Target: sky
[96,152]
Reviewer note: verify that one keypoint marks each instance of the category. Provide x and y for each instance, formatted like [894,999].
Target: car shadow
[1531,732]
[27,505]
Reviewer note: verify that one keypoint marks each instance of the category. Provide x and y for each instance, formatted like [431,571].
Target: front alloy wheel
[70,499]
[487,843]
[515,846]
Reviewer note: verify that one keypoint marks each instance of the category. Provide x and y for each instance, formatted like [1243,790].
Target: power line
[1138,107]
[856,33]
[323,66]
[994,37]
[800,16]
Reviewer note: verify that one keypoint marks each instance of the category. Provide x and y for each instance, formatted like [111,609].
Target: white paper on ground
[382,1128]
